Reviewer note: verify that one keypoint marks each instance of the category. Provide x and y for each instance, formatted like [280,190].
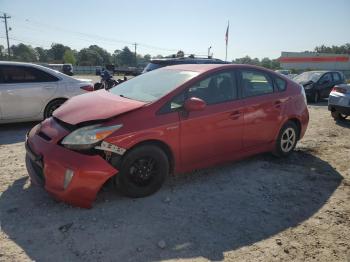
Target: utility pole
[5,17]
[135,44]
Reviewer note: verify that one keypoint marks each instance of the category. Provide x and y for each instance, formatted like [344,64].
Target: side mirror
[194,104]
[325,82]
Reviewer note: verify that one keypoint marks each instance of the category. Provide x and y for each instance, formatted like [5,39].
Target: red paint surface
[93,106]
[314,59]
[219,133]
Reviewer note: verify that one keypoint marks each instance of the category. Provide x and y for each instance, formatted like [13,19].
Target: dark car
[161,62]
[319,84]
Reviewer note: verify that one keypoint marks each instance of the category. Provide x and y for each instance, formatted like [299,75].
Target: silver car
[339,102]
[30,92]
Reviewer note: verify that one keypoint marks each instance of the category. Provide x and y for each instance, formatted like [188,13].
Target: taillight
[88,88]
[339,90]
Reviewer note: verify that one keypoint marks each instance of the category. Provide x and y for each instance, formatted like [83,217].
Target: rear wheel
[338,116]
[142,171]
[52,106]
[287,139]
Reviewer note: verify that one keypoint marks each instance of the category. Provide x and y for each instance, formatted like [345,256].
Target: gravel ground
[258,209]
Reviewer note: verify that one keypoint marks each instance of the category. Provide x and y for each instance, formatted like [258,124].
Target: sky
[258,28]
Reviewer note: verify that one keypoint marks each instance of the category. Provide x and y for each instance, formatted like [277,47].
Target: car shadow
[14,133]
[343,123]
[202,214]
[321,103]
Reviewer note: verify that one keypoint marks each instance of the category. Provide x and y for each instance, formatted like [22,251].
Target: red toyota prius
[167,121]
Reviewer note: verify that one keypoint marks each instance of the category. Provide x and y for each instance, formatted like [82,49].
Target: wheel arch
[297,122]
[162,145]
[52,100]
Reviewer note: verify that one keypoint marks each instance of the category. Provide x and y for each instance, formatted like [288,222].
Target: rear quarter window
[280,84]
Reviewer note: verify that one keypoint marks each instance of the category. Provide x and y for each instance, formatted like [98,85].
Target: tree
[2,52]
[56,52]
[22,52]
[69,57]
[180,53]
[124,57]
[41,54]
[343,49]
[88,57]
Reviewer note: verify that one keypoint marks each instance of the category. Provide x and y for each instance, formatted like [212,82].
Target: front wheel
[287,139]
[143,171]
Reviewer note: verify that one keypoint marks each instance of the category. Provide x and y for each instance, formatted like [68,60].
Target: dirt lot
[259,209]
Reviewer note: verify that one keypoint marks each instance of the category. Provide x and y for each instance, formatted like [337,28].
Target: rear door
[337,78]
[262,108]
[24,91]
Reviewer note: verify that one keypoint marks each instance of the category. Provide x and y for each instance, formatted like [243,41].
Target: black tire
[137,176]
[338,116]
[285,146]
[52,106]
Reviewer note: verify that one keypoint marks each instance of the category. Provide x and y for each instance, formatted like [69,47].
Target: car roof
[185,59]
[200,68]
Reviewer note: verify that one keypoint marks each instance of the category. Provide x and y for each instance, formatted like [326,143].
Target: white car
[339,101]
[30,92]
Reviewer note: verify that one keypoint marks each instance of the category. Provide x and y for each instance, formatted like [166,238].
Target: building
[302,61]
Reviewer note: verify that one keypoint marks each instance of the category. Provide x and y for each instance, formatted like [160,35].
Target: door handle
[49,87]
[235,115]
[278,103]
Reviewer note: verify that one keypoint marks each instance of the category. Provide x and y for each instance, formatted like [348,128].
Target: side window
[325,78]
[215,89]
[41,76]
[336,77]
[20,74]
[255,83]
[281,84]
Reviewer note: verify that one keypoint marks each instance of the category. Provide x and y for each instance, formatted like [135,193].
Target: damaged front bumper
[49,163]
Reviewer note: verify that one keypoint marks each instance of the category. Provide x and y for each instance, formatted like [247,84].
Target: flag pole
[226,38]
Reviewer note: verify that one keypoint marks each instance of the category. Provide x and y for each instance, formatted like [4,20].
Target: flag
[226,35]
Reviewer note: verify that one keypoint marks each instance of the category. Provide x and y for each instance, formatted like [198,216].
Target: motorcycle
[107,81]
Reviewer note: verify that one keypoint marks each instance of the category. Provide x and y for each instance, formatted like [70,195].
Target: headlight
[88,136]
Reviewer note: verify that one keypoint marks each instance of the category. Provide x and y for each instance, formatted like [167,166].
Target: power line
[94,36]
[5,17]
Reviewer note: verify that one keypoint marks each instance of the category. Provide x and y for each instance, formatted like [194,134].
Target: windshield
[307,77]
[153,85]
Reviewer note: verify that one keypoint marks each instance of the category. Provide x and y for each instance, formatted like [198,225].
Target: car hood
[94,106]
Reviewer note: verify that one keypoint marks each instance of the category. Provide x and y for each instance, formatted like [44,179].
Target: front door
[216,132]
[325,85]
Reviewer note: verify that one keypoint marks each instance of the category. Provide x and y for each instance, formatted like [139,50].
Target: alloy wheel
[142,171]
[288,140]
